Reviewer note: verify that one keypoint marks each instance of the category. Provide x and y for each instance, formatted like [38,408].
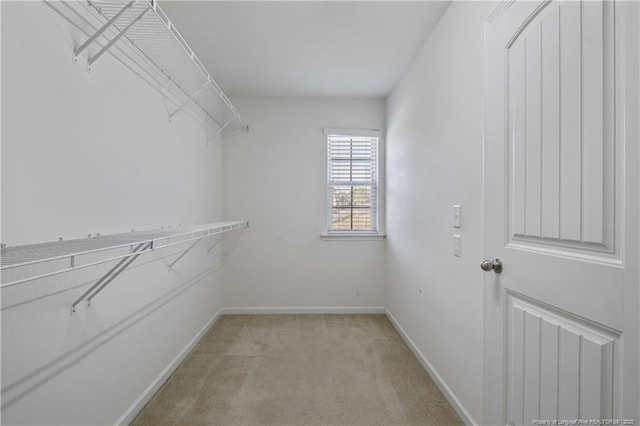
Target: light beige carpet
[299,370]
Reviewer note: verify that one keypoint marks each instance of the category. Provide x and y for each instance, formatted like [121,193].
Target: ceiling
[305,48]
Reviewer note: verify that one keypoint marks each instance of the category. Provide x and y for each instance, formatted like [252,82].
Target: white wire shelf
[148,29]
[66,256]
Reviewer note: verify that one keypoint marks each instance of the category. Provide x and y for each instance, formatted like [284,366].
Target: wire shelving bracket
[63,253]
[148,29]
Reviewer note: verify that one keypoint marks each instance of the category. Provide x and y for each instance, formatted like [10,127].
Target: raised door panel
[560,368]
[562,163]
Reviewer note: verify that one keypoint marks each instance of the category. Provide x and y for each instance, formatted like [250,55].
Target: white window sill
[345,236]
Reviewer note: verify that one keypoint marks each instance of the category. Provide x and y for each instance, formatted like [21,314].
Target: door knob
[494,265]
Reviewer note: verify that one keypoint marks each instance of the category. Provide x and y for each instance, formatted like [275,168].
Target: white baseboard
[300,310]
[155,385]
[442,385]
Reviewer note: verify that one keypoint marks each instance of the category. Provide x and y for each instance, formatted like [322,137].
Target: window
[352,181]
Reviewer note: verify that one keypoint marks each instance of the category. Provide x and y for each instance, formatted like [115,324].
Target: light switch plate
[457,216]
[457,245]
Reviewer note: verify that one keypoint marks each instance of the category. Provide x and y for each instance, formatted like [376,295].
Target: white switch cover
[457,216]
[457,245]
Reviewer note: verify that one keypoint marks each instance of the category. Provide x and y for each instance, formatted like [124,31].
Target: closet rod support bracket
[184,252]
[113,275]
[106,276]
[188,100]
[98,33]
[102,51]
[215,244]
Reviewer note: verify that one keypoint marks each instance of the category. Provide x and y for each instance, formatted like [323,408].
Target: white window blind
[352,189]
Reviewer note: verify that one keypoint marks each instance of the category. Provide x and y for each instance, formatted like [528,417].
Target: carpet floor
[299,370]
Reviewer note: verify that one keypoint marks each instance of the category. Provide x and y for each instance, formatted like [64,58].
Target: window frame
[377,232]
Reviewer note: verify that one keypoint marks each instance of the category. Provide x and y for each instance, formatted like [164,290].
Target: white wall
[275,176]
[434,160]
[85,153]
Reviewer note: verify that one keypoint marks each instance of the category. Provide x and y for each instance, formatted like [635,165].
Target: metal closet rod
[124,264]
[149,245]
[129,243]
[166,23]
[194,58]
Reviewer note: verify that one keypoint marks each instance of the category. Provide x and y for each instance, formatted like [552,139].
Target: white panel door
[560,213]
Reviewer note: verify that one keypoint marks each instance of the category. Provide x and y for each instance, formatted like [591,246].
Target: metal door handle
[494,265]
